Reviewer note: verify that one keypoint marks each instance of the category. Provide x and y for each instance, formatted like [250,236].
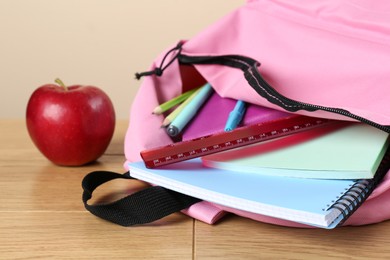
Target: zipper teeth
[348,114]
[328,109]
[270,89]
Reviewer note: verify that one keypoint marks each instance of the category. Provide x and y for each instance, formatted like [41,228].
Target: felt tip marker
[189,111]
[235,116]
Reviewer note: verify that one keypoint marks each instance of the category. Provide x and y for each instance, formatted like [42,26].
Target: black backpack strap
[142,207]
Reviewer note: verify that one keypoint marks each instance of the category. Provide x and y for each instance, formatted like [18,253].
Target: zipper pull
[159,70]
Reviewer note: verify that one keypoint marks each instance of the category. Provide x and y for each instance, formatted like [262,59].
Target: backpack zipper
[264,89]
[256,81]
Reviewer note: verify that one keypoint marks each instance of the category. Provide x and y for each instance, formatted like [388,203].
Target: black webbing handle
[141,207]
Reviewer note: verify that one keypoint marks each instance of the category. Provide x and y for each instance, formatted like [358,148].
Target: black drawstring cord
[159,70]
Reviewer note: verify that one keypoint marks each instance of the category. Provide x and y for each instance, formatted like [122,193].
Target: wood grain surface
[42,217]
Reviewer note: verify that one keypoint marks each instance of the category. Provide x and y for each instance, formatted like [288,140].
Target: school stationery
[223,141]
[189,110]
[180,108]
[173,102]
[212,117]
[344,151]
[235,116]
[322,203]
[325,58]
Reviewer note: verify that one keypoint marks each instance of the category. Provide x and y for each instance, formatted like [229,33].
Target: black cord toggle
[156,71]
[159,70]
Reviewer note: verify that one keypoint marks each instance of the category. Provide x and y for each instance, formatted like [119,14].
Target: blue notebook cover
[322,203]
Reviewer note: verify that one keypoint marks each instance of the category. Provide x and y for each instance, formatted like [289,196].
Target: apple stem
[59,82]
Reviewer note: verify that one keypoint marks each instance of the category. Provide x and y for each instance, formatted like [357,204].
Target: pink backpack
[327,59]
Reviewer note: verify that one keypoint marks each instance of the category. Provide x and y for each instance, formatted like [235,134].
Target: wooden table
[42,216]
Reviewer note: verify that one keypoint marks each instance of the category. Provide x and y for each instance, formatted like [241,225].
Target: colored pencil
[173,102]
[177,111]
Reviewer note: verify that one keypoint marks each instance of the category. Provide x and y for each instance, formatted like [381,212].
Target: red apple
[71,126]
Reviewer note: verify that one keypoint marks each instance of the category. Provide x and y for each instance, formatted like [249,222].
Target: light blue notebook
[322,203]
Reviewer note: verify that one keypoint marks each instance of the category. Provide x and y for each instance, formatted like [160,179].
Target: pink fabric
[206,212]
[331,53]
[144,128]
[334,53]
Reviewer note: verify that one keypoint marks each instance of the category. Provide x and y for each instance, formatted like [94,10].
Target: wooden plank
[42,215]
[78,235]
[240,238]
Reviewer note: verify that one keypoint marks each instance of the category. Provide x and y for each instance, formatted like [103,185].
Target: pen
[235,116]
[177,111]
[189,111]
[173,102]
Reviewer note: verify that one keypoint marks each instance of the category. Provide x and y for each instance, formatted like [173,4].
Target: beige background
[95,42]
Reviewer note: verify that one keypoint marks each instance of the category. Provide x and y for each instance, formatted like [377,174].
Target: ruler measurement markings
[228,140]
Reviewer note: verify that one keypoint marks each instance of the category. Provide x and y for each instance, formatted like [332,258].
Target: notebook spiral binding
[351,200]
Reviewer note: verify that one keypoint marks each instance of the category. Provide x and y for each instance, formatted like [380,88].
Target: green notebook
[341,151]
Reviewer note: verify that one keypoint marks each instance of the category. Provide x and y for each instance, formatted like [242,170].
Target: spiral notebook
[321,203]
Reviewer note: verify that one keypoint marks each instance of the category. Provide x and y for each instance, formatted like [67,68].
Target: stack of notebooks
[317,177]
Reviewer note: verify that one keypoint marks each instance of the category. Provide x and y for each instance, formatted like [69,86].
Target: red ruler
[223,141]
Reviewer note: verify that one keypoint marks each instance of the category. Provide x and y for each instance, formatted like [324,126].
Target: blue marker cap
[235,116]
